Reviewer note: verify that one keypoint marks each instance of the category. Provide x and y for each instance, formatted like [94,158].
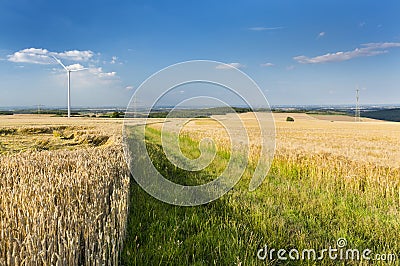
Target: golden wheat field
[64,185]
[363,156]
[63,191]
[368,142]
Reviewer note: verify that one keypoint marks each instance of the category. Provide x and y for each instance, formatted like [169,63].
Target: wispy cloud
[291,67]
[230,66]
[44,56]
[264,28]
[368,49]
[321,34]
[267,64]
[381,45]
[129,88]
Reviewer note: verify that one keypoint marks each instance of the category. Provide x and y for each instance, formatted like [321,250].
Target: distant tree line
[388,115]
[197,113]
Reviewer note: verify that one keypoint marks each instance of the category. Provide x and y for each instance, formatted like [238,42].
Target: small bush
[117,115]
[289,119]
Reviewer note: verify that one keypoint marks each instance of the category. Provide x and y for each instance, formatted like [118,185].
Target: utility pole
[357,111]
[38,108]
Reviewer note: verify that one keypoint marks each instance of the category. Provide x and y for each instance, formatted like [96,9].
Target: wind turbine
[69,81]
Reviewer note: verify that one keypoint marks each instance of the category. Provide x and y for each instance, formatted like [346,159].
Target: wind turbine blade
[59,61]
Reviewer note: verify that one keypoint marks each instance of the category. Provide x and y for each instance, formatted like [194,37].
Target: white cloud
[230,66]
[31,55]
[321,34]
[368,49]
[264,28]
[94,78]
[267,65]
[98,71]
[74,55]
[44,56]
[107,74]
[129,88]
[113,60]
[75,67]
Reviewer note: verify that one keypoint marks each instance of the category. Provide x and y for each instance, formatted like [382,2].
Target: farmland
[63,192]
[330,178]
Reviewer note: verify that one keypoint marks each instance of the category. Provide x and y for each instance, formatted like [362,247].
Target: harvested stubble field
[66,202]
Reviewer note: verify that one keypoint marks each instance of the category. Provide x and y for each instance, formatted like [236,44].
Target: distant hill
[388,115]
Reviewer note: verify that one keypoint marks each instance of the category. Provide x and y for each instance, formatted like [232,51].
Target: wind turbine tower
[69,82]
[357,111]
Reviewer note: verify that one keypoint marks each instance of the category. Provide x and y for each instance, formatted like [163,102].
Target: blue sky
[299,52]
